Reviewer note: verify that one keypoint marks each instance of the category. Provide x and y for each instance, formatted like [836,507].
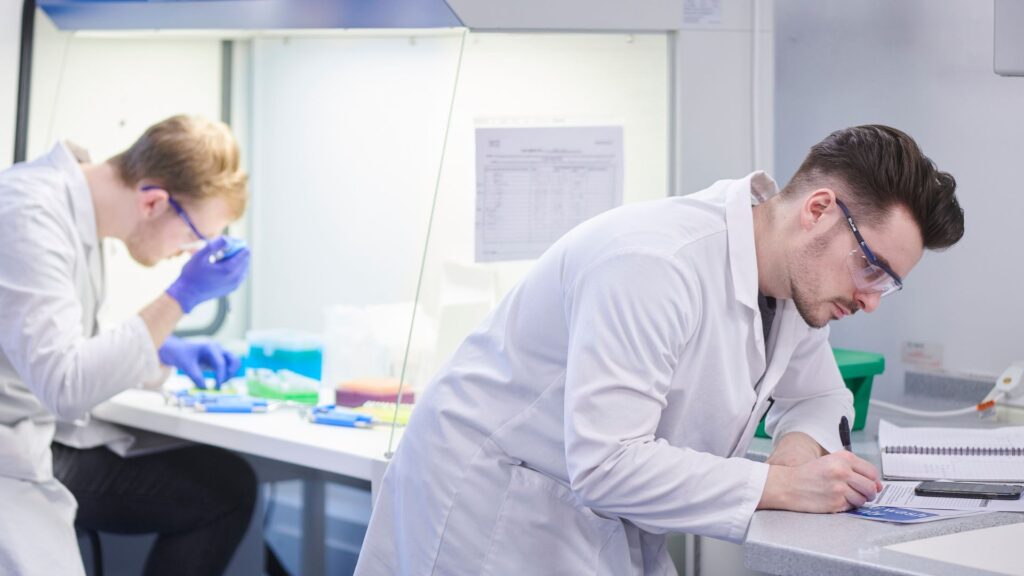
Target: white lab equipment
[1009,385]
[1005,399]
[351,347]
[380,346]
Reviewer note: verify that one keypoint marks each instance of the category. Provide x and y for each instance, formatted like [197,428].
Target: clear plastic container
[365,357]
[284,365]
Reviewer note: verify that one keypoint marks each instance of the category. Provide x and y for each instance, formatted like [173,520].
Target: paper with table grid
[901,494]
[964,454]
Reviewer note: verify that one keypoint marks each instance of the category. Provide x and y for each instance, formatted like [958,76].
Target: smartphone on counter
[970,490]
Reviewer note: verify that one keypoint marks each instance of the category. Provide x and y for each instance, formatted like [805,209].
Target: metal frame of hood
[247,14]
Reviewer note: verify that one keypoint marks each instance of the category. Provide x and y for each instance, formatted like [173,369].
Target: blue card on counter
[891,514]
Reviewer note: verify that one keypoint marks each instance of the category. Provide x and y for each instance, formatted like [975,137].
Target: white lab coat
[53,363]
[608,400]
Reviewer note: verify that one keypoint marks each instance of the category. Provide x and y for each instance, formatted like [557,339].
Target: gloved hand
[201,280]
[191,357]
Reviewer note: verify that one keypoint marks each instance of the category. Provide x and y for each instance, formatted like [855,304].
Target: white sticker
[922,354]
[702,12]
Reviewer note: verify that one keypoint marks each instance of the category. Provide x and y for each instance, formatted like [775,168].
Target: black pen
[844,433]
[844,437]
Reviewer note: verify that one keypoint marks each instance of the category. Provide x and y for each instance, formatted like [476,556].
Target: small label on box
[922,354]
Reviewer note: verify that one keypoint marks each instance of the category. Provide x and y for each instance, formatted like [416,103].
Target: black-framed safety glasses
[870,274]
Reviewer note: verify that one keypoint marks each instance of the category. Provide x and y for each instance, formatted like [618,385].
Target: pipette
[234,246]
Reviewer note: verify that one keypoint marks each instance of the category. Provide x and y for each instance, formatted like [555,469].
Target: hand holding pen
[844,437]
[832,483]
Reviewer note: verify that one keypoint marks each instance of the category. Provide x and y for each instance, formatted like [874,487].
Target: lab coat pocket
[543,523]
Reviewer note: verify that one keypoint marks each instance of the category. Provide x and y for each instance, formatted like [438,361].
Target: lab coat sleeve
[811,396]
[41,329]
[629,317]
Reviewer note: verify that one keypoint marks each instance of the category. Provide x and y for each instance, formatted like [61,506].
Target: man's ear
[151,199]
[815,208]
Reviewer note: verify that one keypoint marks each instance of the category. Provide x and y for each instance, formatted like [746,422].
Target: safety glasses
[181,212]
[870,274]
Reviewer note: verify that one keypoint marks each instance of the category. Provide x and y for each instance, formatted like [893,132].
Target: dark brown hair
[879,168]
[193,158]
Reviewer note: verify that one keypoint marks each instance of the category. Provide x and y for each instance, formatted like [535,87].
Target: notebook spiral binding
[954,451]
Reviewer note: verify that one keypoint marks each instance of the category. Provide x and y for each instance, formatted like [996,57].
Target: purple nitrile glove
[201,280]
[192,357]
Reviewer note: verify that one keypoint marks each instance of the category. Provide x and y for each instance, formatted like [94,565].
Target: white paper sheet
[902,494]
[536,183]
[702,12]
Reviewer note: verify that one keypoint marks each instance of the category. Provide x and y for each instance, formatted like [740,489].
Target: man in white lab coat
[610,397]
[178,184]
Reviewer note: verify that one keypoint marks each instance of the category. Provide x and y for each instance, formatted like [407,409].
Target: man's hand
[832,483]
[192,357]
[794,449]
[205,277]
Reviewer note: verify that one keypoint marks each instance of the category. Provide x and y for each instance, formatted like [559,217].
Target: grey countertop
[835,544]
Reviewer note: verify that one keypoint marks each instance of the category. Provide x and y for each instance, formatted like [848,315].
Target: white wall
[346,138]
[924,66]
[10,42]
[724,83]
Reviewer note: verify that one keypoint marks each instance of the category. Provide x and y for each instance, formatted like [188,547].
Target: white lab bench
[777,542]
[839,545]
[280,436]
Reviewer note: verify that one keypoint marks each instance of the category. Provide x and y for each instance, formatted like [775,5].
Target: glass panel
[582,122]
[347,130]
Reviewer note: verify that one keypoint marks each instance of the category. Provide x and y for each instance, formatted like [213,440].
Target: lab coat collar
[755,188]
[78,193]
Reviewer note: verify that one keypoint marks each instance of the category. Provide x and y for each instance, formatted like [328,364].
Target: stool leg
[97,552]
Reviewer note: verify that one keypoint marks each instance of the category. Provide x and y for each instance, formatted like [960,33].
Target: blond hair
[193,159]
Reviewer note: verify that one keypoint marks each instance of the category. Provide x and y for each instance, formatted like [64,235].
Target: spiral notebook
[963,454]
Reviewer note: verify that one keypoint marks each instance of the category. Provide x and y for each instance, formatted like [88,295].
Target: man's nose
[868,301]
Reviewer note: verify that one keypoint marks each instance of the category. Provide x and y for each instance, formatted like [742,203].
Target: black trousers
[198,499]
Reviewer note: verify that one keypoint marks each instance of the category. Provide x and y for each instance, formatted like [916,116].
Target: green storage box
[858,370]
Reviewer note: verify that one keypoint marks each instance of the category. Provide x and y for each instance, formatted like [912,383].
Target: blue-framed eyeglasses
[181,212]
[870,274]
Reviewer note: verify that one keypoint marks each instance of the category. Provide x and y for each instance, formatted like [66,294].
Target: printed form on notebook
[960,454]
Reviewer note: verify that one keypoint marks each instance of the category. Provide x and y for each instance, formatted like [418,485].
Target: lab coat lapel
[84,214]
[755,188]
[96,274]
[742,256]
[786,340]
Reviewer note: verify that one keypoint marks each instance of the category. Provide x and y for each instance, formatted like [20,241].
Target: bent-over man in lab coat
[609,399]
[179,183]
